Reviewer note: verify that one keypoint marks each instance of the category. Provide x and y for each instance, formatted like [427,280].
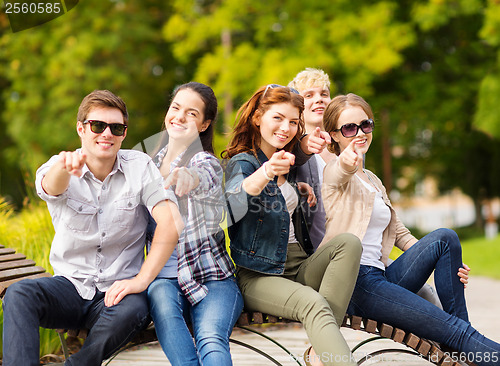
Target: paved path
[483,299]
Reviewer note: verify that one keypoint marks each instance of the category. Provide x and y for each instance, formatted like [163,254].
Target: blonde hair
[310,78]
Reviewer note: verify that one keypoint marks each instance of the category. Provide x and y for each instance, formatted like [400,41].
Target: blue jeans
[390,297]
[212,321]
[53,302]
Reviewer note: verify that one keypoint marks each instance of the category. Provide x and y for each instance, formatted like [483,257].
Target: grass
[480,254]
[29,232]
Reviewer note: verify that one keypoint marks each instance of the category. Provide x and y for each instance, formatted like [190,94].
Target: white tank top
[292,200]
[372,241]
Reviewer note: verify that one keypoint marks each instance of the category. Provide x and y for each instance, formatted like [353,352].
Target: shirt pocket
[80,215]
[269,198]
[126,211]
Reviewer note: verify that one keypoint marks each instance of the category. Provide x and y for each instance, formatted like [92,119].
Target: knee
[213,337]
[18,294]
[211,345]
[450,237]
[348,243]
[162,301]
[133,310]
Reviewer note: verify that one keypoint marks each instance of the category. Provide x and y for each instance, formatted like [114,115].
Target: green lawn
[480,254]
[483,256]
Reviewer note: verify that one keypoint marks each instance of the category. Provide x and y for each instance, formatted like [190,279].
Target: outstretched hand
[351,157]
[183,180]
[280,163]
[73,162]
[318,140]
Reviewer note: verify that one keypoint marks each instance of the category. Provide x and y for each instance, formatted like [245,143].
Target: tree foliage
[111,45]
[430,70]
[270,41]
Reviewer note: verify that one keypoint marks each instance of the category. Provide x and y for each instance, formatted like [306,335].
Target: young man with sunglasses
[98,197]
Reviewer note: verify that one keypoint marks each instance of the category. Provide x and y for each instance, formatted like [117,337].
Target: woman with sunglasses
[197,286]
[276,271]
[356,201]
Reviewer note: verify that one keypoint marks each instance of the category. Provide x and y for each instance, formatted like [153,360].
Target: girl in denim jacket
[276,273]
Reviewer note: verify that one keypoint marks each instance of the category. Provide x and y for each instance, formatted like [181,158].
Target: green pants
[313,290]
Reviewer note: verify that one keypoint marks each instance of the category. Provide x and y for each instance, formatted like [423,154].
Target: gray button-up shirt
[100,226]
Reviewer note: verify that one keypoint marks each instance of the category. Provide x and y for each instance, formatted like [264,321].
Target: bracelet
[265,172]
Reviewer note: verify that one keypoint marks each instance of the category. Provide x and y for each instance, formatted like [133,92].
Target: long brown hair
[246,134]
[335,109]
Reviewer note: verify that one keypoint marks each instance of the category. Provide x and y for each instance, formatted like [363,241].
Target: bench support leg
[269,339]
[64,345]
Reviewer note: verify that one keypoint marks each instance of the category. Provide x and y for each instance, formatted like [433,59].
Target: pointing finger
[326,136]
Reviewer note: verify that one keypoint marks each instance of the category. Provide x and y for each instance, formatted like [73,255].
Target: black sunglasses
[117,129]
[351,129]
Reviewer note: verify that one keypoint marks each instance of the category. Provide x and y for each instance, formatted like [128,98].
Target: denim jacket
[258,225]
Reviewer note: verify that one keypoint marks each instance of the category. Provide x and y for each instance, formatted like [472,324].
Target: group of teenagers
[310,233]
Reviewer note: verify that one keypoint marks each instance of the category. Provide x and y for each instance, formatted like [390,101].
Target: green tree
[487,117]
[115,45]
[239,45]
[11,181]
[432,99]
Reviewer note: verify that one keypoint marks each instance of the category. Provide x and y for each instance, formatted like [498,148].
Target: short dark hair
[103,99]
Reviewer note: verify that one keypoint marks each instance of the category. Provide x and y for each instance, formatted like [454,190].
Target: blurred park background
[429,68]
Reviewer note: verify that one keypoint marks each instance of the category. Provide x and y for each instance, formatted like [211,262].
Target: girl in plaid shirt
[197,286]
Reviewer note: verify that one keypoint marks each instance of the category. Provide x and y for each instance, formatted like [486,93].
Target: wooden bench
[15,266]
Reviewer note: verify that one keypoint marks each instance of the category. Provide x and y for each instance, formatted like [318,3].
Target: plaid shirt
[201,248]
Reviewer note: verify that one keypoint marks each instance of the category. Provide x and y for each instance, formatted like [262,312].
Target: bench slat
[16,264]
[398,335]
[370,325]
[5,284]
[11,257]
[6,251]
[412,340]
[258,318]
[356,322]
[423,347]
[10,274]
[386,330]
[244,319]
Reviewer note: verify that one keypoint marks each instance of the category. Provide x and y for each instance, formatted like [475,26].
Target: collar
[161,155]
[118,166]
